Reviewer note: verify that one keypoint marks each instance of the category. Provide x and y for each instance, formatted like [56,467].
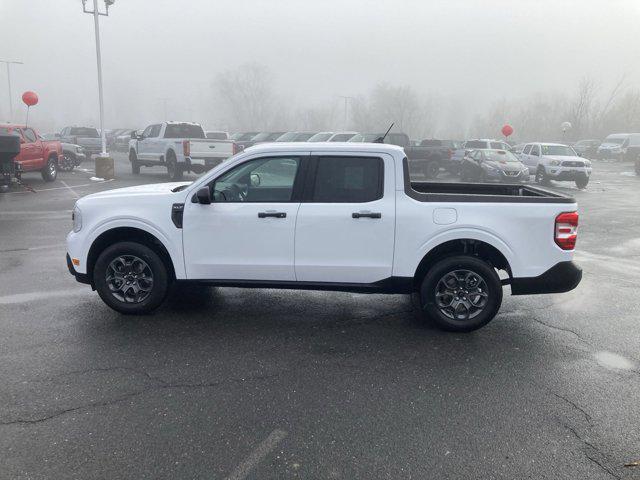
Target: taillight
[186,148]
[450,152]
[566,231]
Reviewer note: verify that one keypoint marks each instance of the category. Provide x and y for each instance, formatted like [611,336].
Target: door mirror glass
[204,195]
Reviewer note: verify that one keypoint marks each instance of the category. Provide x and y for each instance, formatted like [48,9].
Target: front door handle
[272,214]
[366,215]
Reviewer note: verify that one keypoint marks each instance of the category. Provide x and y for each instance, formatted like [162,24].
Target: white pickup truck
[179,146]
[327,216]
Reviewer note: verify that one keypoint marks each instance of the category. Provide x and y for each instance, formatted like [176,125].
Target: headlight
[79,149]
[587,163]
[76,216]
[554,163]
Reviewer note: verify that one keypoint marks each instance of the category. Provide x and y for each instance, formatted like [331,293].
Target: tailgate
[204,148]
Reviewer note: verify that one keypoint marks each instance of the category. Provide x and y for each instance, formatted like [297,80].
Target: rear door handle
[272,214]
[366,215]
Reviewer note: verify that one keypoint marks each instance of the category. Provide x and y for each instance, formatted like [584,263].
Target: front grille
[512,174]
[572,164]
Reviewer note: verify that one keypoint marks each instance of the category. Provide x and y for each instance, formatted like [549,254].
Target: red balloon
[30,98]
[507,130]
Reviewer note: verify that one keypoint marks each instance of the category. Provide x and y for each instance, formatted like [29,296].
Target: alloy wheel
[129,278]
[461,294]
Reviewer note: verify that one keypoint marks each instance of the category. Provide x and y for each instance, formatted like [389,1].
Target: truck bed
[483,192]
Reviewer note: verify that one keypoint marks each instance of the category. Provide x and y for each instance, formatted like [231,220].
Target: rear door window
[348,180]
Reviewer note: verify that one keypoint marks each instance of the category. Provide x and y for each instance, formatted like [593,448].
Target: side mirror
[255,180]
[135,136]
[579,154]
[204,196]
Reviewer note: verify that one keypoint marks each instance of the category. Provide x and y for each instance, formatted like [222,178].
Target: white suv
[554,161]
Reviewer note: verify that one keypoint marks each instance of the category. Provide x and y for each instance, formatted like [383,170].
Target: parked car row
[545,161]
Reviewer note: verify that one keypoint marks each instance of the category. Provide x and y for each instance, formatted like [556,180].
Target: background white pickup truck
[332,217]
[180,146]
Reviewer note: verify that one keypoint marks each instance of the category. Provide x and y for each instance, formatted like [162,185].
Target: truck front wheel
[461,293]
[541,177]
[50,170]
[135,166]
[131,278]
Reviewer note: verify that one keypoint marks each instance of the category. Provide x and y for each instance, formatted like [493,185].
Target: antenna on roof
[381,139]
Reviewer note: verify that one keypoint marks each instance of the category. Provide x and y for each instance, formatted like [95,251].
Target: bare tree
[247,97]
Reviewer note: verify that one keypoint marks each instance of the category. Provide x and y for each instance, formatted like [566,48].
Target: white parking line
[35,296]
[60,188]
[73,192]
[261,451]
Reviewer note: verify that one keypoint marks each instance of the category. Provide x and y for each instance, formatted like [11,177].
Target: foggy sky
[477,51]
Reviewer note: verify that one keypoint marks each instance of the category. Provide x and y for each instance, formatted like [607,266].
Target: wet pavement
[229,383]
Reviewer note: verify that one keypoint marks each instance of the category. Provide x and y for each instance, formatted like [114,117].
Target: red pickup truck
[36,155]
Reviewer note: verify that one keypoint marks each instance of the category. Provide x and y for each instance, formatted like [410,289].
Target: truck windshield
[475,144]
[321,137]
[84,132]
[559,150]
[183,130]
[614,141]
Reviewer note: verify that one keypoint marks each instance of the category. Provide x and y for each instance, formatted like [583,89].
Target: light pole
[96,13]
[9,62]
[346,101]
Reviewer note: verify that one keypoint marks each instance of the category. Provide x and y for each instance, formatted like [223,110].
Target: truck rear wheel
[50,170]
[431,169]
[174,171]
[135,166]
[68,162]
[461,293]
[131,278]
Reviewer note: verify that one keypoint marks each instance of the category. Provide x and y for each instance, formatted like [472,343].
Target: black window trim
[310,183]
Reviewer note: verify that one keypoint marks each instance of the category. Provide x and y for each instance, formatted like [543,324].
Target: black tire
[68,162]
[541,176]
[135,166]
[50,170]
[432,169]
[174,171]
[160,279]
[484,298]
[582,182]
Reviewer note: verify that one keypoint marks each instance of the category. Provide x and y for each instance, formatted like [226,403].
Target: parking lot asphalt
[229,383]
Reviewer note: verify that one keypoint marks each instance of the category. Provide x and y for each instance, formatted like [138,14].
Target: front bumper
[80,277]
[562,277]
[568,173]
[502,176]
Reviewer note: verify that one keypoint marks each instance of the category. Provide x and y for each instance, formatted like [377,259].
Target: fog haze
[462,52]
